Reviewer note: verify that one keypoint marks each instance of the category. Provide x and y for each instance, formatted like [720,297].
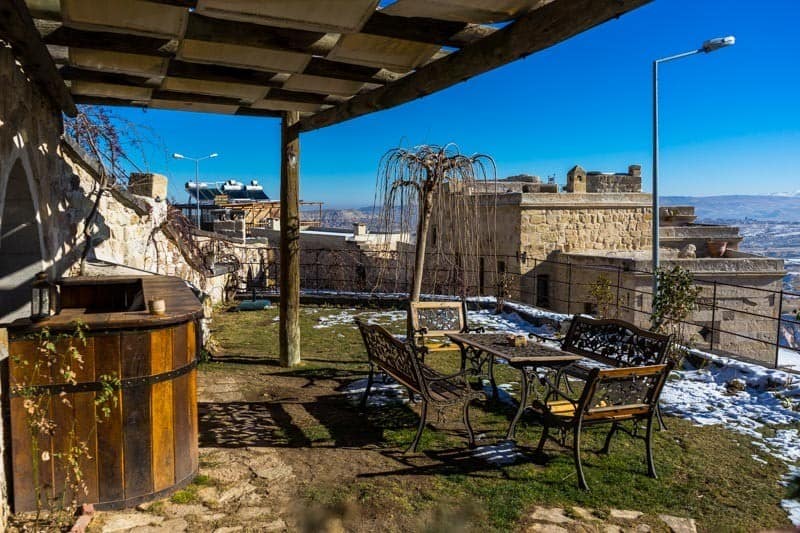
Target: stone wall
[529,228]
[613,183]
[580,181]
[47,189]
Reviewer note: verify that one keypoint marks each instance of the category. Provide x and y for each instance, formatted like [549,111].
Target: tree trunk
[422,238]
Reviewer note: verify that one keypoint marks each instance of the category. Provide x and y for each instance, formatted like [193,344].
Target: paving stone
[553,515]
[124,521]
[228,529]
[585,514]
[677,524]
[253,499]
[248,513]
[234,493]
[176,525]
[274,525]
[228,472]
[208,495]
[546,528]
[611,528]
[619,514]
[643,528]
[227,397]
[212,517]
[269,467]
[174,510]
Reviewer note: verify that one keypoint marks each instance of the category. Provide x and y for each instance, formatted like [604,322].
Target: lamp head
[720,42]
[213,155]
[178,156]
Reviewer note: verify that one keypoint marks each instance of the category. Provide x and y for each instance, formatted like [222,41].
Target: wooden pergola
[310,63]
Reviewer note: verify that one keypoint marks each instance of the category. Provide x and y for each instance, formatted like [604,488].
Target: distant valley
[767,208]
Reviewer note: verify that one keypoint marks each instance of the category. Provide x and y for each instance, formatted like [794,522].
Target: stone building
[551,247]
[578,180]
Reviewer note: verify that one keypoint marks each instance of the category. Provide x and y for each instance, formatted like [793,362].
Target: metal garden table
[483,348]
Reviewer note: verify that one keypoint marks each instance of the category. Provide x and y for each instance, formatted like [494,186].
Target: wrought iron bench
[430,322]
[615,343]
[608,397]
[400,361]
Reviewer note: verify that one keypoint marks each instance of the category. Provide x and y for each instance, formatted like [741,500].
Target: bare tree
[431,185]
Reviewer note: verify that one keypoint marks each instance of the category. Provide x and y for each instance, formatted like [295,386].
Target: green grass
[189,493]
[186,495]
[706,473]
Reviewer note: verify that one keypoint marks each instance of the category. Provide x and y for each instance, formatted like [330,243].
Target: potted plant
[717,248]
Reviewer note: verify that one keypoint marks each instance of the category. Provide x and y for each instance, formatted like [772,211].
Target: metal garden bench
[400,361]
[615,343]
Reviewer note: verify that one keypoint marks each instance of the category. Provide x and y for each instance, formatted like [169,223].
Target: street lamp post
[709,46]
[196,177]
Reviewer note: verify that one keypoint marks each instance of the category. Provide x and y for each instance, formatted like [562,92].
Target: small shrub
[602,296]
[673,303]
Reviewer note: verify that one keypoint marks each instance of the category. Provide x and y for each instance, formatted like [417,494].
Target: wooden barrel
[146,448]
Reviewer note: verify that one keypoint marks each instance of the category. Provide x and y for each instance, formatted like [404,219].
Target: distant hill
[772,208]
[781,207]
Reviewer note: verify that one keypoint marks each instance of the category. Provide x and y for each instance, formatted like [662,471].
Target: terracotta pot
[157,307]
[717,248]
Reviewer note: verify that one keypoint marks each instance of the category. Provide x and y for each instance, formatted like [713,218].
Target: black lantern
[42,292]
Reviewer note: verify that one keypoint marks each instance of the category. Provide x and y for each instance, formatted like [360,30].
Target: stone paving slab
[579,519]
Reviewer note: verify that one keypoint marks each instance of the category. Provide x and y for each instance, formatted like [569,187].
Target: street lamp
[196,177]
[709,46]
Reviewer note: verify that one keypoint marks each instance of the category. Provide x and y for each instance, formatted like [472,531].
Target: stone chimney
[150,185]
[635,170]
[359,229]
[576,179]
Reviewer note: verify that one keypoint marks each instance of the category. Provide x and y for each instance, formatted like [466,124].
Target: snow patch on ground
[789,358]
[384,391]
[347,318]
[503,392]
[770,398]
[500,454]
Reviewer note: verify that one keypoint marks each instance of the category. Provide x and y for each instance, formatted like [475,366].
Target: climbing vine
[57,360]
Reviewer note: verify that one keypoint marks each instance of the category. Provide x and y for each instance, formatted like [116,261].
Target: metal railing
[737,320]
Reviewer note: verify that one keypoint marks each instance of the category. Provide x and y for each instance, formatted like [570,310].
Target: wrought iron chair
[608,397]
[429,322]
[400,361]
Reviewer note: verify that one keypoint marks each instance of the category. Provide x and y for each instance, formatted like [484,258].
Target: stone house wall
[46,192]
[613,183]
[550,224]
[530,227]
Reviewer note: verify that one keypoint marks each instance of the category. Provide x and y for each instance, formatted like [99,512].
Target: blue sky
[730,120]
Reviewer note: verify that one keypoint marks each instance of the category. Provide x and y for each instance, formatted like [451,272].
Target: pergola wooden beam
[18,30]
[535,31]
[425,30]
[203,28]
[105,40]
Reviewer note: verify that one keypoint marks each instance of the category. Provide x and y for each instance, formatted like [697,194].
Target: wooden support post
[290,241]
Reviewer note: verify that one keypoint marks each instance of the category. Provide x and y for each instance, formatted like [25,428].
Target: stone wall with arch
[47,190]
